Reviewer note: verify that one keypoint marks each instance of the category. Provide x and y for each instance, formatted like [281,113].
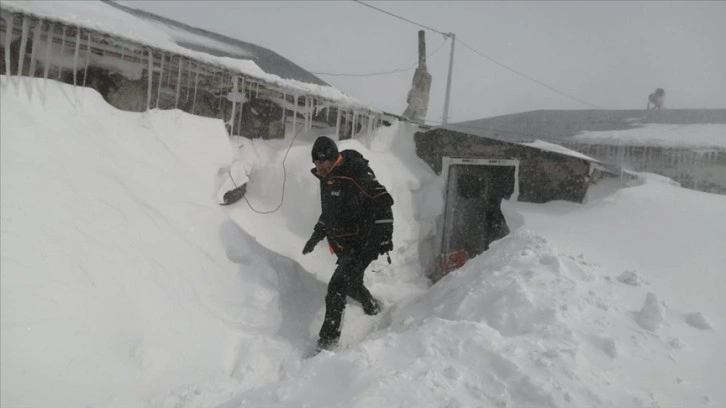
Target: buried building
[139,61]
[479,172]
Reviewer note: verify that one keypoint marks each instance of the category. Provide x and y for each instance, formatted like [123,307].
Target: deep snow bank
[522,325]
[279,180]
[125,284]
[116,287]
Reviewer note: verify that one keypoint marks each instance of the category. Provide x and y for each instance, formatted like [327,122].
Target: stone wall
[543,176]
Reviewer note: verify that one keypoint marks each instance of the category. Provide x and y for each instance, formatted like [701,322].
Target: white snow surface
[655,134]
[104,18]
[555,148]
[125,284]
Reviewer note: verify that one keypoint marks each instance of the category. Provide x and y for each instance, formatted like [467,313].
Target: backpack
[381,235]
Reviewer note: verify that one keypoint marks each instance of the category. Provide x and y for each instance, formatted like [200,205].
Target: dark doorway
[473,217]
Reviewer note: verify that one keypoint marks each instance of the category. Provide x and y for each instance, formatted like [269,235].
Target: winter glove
[379,238]
[317,236]
[385,240]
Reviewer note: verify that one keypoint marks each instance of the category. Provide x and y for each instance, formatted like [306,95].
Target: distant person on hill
[357,220]
[655,100]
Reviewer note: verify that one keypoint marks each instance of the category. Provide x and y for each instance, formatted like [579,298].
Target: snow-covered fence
[137,77]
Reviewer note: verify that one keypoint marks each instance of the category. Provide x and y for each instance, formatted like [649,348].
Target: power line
[404,19]
[527,76]
[487,57]
[386,72]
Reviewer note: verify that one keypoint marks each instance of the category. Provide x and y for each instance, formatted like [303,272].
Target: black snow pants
[347,280]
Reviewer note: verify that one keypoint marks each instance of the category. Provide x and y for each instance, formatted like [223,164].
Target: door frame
[447,162]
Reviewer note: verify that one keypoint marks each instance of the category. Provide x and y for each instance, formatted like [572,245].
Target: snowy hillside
[124,284]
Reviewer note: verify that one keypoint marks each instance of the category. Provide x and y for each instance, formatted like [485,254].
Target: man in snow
[357,220]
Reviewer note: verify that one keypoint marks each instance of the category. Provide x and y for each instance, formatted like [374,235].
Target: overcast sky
[610,54]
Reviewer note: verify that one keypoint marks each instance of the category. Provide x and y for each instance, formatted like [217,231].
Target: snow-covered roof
[563,125]
[551,147]
[115,20]
[654,134]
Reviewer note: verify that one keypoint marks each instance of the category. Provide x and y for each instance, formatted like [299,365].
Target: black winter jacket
[352,202]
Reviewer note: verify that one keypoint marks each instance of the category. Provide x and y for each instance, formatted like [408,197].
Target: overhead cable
[404,19]
[385,72]
[526,76]
[487,57]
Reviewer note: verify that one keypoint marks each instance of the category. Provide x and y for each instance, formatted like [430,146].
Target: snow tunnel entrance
[472,214]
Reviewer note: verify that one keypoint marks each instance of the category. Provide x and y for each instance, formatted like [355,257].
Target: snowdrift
[116,285]
[124,283]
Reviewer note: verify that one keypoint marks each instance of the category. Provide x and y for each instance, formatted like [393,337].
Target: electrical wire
[404,19]
[284,179]
[386,72]
[551,88]
[487,57]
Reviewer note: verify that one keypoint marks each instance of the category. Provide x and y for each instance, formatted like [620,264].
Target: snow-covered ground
[125,284]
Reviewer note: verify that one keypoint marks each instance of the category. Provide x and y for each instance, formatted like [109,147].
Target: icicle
[75,54]
[221,83]
[178,83]
[189,75]
[353,128]
[230,122]
[337,124]
[63,46]
[33,51]
[284,101]
[241,106]
[168,78]
[239,120]
[257,90]
[294,116]
[23,44]
[305,114]
[8,38]
[88,57]
[196,83]
[151,78]
[327,113]
[49,40]
[312,112]
[161,76]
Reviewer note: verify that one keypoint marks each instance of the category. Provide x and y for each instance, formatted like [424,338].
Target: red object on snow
[453,260]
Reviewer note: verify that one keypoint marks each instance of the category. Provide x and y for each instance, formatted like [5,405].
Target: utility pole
[448,80]
[422,49]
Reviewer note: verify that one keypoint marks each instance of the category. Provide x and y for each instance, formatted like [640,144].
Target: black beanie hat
[324,148]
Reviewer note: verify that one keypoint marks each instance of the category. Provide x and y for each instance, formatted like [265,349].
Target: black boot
[326,344]
[372,308]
